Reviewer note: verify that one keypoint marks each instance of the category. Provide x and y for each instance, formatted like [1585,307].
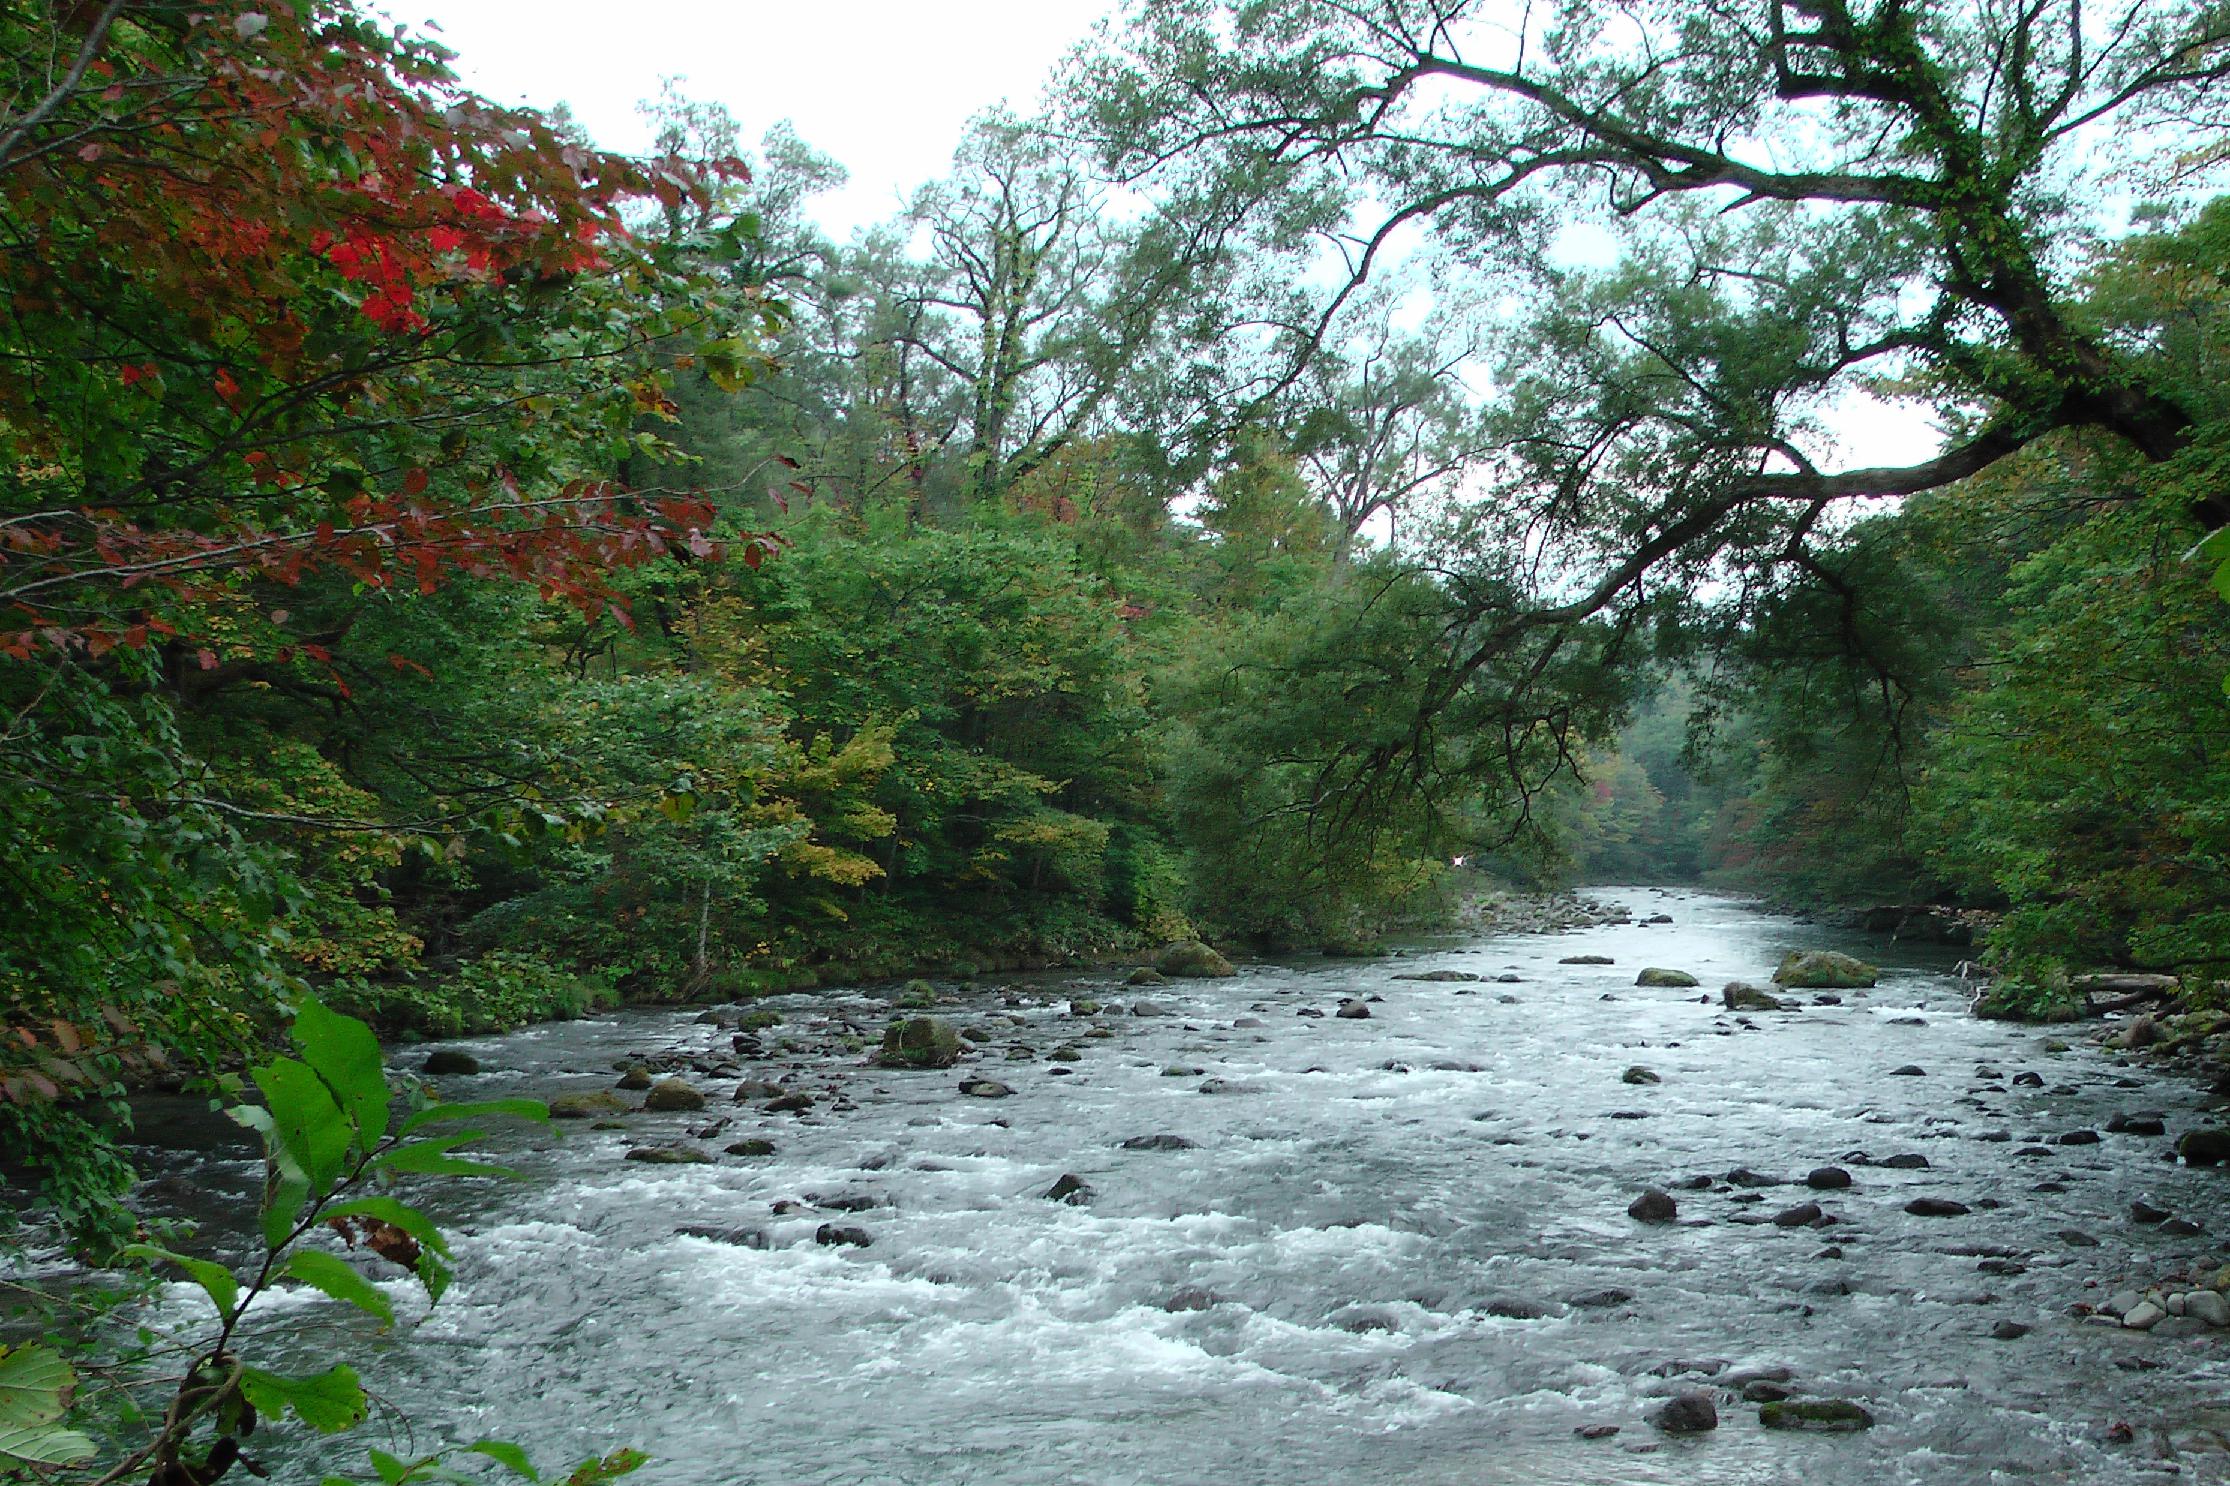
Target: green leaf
[309,1125]
[280,1205]
[506,1454]
[34,1393]
[328,1402]
[44,1445]
[211,1276]
[339,1279]
[343,1052]
[525,1109]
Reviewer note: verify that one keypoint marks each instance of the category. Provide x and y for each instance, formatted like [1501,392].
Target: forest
[1332,462]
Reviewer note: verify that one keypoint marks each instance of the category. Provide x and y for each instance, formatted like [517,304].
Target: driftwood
[2110,993]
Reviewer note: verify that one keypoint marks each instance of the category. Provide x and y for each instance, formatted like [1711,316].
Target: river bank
[1219,1231]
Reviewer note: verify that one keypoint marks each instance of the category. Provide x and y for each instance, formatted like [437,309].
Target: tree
[295,327]
[1809,198]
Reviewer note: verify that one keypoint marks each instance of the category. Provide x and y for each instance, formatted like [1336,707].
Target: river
[1364,1266]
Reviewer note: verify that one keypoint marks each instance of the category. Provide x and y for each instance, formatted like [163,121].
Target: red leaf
[414,481]
[208,659]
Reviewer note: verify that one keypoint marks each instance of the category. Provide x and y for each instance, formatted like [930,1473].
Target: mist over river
[1397,1248]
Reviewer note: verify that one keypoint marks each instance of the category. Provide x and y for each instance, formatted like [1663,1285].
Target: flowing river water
[1394,1250]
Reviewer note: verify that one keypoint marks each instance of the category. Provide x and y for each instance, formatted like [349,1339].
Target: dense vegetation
[469,576]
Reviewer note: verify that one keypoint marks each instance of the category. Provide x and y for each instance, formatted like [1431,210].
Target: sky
[883,86]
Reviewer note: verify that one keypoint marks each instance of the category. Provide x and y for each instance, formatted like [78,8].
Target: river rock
[984,1088]
[752,1090]
[1638,1075]
[2181,1228]
[2077,1137]
[672,1095]
[1146,975]
[1797,1216]
[668,1155]
[1587,960]
[1518,1308]
[1671,979]
[1192,960]
[443,1062]
[586,1106]
[1071,1189]
[1693,1412]
[1354,1011]
[1764,1390]
[1596,1431]
[1602,1299]
[2146,1316]
[1157,1143]
[1150,1008]
[752,1147]
[789,1104]
[1449,977]
[1905,1161]
[919,1042]
[1827,1415]
[2204,1147]
[829,1235]
[2209,1306]
[2145,1212]
[636,1079]
[1827,1178]
[2136,1124]
[1936,1207]
[2010,1331]
[1740,995]
[1910,1070]
[1653,1206]
[1823,970]
[742,1238]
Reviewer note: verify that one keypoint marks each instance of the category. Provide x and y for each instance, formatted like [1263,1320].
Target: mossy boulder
[919,1042]
[1742,996]
[586,1106]
[1823,970]
[444,1061]
[1146,975]
[1193,960]
[671,1096]
[1658,976]
[637,1078]
[917,995]
[1827,1415]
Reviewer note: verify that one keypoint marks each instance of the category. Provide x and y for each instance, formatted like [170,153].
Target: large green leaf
[34,1393]
[223,1289]
[311,1130]
[328,1402]
[433,1114]
[343,1052]
[339,1279]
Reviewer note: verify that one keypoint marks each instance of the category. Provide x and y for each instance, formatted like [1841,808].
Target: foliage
[334,1153]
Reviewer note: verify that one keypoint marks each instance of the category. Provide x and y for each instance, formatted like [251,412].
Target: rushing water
[1334,1283]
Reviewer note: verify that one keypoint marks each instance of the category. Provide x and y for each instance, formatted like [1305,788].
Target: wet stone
[1653,1206]
[1693,1412]
[1936,1207]
[1827,1178]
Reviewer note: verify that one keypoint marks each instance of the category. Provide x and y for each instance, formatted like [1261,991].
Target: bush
[495,993]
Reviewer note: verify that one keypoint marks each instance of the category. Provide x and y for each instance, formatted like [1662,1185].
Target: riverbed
[1391,1248]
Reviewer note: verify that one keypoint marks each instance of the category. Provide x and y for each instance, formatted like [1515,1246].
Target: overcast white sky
[884,86]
